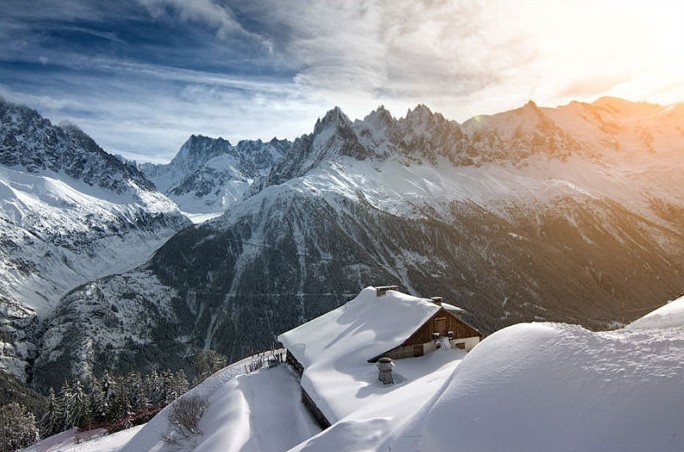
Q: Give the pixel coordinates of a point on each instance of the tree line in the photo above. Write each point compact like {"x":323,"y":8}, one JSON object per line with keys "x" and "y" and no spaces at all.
{"x":114,"y":402}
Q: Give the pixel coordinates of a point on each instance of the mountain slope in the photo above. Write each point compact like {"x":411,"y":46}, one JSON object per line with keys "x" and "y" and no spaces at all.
{"x":582,"y":232}
{"x":69,"y":213}
{"x":208,"y":175}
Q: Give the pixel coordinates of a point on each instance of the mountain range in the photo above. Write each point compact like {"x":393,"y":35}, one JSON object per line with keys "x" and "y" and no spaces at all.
{"x":208,"y":175}
{"x":573,"y":214}
{"x":69,"y":213}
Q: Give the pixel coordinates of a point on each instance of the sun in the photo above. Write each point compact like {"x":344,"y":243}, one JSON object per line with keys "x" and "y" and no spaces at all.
{"x":628,"y":49}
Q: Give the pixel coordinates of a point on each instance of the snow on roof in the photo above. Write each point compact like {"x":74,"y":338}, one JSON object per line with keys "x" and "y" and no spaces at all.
{"x":452,"y":308}
{"x":334,"y":349}
{"x":361,"y":329}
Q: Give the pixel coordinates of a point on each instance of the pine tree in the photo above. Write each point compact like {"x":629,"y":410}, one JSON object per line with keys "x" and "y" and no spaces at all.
{"x":18,"y":427}
{"x":120,"y":406}
{"x":65,"y":401}
{"x":109,"y":390}
{"x":81,"y":414}
{"x":181,"y":383}
{"x":206,"y":363}
{"x":169,"y":393}
{"x":153,"y":388}
{"x":136,"y":390}
{"x":96,"y":395}
{"x":53,"y":416}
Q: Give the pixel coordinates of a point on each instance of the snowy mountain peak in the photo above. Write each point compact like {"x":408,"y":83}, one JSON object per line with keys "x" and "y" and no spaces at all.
{"x":32,"y":143}
{"x":210,"y":174}
{"x":379,"y":118}
{"x":333,"y":118}
{"x":618,"y":105}
{"x":420,"y":110}
{"x":69,"y":212}
{"x":197,"y":150}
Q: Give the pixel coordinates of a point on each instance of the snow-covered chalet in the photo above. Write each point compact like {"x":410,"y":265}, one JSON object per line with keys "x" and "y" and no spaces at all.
{"x":332,"y":352}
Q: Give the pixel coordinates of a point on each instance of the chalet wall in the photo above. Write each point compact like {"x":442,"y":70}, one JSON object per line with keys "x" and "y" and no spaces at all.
{"x":292,"y":361}
{"x":321,"y":420}
{"x":410,"y":351}
{"x":466,"y":344}
{"x":422,"y":341}
{"x":442,"y":322}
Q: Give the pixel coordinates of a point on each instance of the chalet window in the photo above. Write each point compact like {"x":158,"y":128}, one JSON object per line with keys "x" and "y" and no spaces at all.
{"x":441,"y":326}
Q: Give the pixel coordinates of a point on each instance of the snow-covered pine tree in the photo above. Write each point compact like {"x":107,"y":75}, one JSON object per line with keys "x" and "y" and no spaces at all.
{"x":65,"y":400}
{"x":18,"y":427}
{"x":120,"y":407}
{"x":169,"y":393}
{"x":109,"y":393}
{"x":81,"y":414}
{"x":181,"y":382}
{"x":98,"y":407}
{"x":205,"y":363}
{"x":137,"y":393}
{"x":153,"y":387}
{"x":53,"y":416}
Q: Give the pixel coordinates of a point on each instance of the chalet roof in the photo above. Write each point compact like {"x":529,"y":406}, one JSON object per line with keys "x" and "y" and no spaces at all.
{"x":453,"y":309}
{"x":368,"y":325}
{"x":335,"y":347}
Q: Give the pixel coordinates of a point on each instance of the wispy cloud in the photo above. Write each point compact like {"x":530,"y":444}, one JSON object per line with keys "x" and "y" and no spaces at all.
{"x":142,"y":75}
{"x":204,"y":12}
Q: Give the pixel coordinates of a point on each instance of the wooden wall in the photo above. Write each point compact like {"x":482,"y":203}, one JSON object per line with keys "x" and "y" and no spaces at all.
{"x":442,"y":322}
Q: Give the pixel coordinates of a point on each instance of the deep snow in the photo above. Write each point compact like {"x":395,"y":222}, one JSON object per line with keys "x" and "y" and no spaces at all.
{"x":533,"y":386}
{"x":247,"y":412}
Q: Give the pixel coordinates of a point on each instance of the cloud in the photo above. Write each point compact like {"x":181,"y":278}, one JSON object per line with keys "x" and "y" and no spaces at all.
{"x":399,"y":52}
{"x":206,"y":12}
{"x":142,"y":75}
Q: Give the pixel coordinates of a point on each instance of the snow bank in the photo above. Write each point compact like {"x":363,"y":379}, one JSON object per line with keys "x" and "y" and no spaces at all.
{"x":74,"y":441}
{"x":668,"y":316}
{"x":559,"y":387}
{"x":246,"y":412}
{"x":535,"y":386}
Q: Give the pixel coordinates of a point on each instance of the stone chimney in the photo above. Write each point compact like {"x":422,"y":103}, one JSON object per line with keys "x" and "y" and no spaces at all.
{"x":385,"y":365}
{"x":382,"y":290}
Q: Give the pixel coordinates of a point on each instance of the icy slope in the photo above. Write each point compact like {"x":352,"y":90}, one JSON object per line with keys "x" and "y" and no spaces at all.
{"x":59,"y":233}
{"x":208,"y":175}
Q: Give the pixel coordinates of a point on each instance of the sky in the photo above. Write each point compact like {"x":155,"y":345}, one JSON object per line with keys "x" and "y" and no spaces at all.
{"x":141,"y":76}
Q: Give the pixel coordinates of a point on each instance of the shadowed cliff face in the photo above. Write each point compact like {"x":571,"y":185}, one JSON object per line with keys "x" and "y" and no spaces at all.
{"x":234,"y":286}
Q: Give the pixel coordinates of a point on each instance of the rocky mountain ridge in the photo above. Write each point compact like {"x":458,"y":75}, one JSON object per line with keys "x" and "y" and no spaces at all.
{"x":210,"y":174}
{"x":567,"y":214}
{"x":69,"y":213}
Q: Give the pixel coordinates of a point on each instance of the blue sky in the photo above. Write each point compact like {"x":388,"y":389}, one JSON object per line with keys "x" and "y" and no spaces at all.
{"x":140,"y":76}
